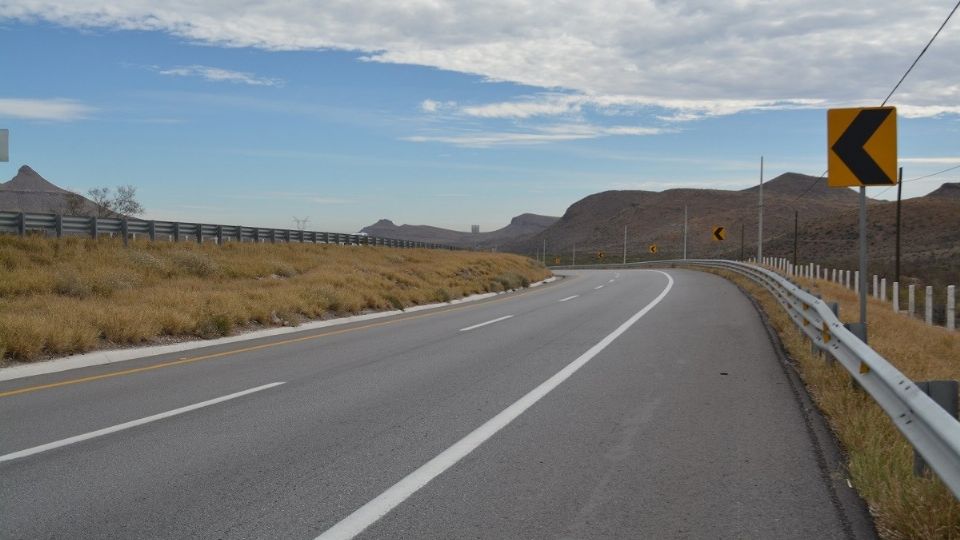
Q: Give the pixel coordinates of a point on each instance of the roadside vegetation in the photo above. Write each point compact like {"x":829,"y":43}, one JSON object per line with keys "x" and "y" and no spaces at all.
{"x":73,"y":295}
{"x":879,"y":458}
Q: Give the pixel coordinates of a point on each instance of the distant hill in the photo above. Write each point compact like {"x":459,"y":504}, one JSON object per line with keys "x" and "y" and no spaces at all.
{"x":30,"y":192}
{"x":596,"y":222}
{"x":520,"y":227}
{"x":948,"y":190}
{"x":827,"y":226}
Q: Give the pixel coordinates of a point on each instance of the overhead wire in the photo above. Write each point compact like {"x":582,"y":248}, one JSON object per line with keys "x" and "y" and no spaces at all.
{"x":895,"y":87}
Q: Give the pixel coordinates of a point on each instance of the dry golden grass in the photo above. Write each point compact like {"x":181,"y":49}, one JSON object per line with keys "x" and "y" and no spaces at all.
{"x":880,"y":460}
{"x":73,"y":295}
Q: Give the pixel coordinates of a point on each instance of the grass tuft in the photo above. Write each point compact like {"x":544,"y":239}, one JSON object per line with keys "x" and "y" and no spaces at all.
{"x":879,"y":458}
{"x":73,"y":295}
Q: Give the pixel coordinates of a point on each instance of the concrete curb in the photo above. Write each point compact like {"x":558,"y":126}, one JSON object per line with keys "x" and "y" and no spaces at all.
{"x":97,"y":358}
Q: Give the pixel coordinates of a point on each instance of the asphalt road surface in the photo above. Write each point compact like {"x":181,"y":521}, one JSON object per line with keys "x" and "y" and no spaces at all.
{"x":632,"y":404}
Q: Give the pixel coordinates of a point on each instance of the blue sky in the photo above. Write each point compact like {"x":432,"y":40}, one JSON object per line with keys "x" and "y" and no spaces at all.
{"x":451,"y":116}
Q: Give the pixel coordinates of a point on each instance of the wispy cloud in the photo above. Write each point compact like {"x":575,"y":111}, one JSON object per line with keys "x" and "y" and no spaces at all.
{"x":215,"y":74}
{"x":546,"y":134}
{"x":941,"y":160}
{"x":56,"y":110}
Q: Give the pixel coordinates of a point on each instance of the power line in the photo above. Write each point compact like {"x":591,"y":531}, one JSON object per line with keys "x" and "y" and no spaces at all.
{"x":917,"y":59}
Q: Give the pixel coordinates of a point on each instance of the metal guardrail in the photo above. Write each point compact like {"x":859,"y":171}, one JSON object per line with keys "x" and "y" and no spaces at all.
{"x":21,"y":223}
{"x":932,"y":431}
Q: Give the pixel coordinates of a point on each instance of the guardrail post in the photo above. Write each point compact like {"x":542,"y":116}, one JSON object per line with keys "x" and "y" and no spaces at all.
{"x":951,"y":307}
{"x":94,"y":233}
{"x":944,"y":394}
{"x":152,"y":230}
{"x":59,"y":225}
{"x":219,"y":235}
{"x":176,"y":232}
{"x":124,"y":229}
{"x":273,"y":236}
{"x":896,"y":297}
{"x":876,"y":287}
{"x":857,"y":329}
{"x":199,"y":233}
{"x":21,"y":224}
{"x":911,"y":299}
{"x":256,"y":235}
{"x":928,"y":305}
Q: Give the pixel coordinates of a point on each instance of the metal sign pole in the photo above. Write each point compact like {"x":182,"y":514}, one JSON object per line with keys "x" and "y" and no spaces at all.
{"x":624,"y":244}
{"x":863,"y":256}
{"x":684,"y":232}
{"x":760,"y":231}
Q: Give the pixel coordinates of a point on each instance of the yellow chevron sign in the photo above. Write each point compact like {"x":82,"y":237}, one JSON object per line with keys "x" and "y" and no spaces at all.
{"x":862,"y":147}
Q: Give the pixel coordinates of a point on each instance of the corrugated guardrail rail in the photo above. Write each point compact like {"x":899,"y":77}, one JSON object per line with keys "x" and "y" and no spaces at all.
{"x":932,"y":431}
{"x":59,"y":225}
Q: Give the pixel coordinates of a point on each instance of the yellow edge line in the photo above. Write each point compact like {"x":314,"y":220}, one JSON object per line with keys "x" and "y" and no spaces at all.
{"x":180,"y":361}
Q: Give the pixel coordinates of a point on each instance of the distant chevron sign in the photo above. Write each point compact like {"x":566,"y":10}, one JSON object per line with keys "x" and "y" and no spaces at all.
{"x":862,"y":147}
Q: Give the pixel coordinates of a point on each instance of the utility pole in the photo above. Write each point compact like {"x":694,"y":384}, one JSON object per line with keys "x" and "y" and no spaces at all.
{"x":899,"y":192}
{"x":760,"y":233}
{"x":741,"y":241}
{"x":624,"y":244}
{"x":684,"y":232}
{"x":796,"y":221}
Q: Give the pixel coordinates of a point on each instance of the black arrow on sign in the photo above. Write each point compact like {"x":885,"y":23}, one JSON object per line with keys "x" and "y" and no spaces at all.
{"x":849,"y":147}
{"x":718,"y":232}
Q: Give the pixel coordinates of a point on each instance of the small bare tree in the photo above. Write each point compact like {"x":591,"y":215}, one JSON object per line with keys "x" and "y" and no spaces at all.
{"x":75,"y":205}
{"x":124,"y":202}
{"x":301,"y":223}
{"x":101,"y":197}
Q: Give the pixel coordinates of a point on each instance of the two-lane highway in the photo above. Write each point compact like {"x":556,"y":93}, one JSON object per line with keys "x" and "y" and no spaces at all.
{"x":629,"y":404}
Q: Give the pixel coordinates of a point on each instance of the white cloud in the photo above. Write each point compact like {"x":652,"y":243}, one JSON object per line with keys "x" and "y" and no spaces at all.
{"x":432,"y":106}
{"x":58,"y":110}
{"x":546,"y":134}
{"x":942,"y":160}
{"x":215,"y":74}
{"x":691,"y":57}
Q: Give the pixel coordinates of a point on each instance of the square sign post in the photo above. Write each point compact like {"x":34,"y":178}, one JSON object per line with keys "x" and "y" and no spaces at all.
{"x":4,"y":145}
{"x":862,"y":151}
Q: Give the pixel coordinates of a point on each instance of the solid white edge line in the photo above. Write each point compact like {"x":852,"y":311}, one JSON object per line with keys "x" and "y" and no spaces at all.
{"x":598,"y":287}
{"x":371,"y":512}
{"x":568,"y":298}
{"x":130,"y":424}
{"x":486,"y":323}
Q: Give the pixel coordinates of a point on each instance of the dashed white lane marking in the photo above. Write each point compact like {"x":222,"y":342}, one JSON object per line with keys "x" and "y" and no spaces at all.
{"x":568,"y":298}
{"x":130,"y":424}
{"x":611,"y":281}
{"x":369,"y":513}
{"x":486,"y":323}
{"x":598,"y":287}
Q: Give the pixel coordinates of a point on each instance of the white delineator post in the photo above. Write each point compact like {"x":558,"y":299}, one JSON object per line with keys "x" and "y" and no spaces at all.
{"x":883,"y":290}
{"x":896,"y":297}
{"x":876,"y":287}
{"x":951,"y":307}
{"x":928,"y":305}
{"x":856,"y":281}
{"x":911,"y":299}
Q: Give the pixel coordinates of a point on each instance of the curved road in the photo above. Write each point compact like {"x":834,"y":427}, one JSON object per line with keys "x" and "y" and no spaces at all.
{"x":632,"y":404}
